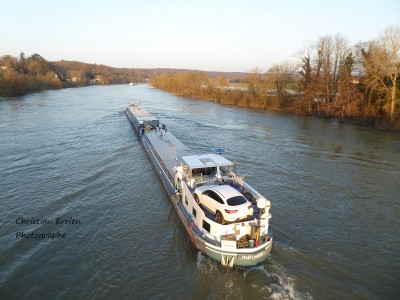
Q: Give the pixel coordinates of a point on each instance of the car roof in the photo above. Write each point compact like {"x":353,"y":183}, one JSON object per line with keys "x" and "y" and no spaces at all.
{"x":226,"y":191}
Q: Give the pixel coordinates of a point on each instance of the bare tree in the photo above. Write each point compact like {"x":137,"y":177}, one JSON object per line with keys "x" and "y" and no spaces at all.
{"x":307,"y":71}
{"x":381,"y":61}
{"x":281,"y":75}
{"x":390,"y":44}
{"x":332,"y":52}
{"x":256,"y":89}
{"x":321,"y":67}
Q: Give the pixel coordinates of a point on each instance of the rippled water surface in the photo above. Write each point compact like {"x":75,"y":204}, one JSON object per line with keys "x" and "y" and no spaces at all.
{"x":72,"y":155}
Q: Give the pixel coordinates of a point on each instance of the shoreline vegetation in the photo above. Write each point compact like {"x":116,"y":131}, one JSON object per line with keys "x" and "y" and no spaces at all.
{"x":358,"y":84}
{"x":20,"y":76}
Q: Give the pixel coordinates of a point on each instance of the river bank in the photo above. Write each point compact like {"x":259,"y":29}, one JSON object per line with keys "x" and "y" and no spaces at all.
{"x":346,"y":98}
{"x":293,"y":104}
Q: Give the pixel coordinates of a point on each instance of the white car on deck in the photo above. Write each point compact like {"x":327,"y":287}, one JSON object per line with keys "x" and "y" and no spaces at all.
{"x":225,"y":202}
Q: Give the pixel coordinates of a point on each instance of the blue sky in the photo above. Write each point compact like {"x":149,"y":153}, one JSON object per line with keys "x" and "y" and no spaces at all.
{"x":205,"y":35}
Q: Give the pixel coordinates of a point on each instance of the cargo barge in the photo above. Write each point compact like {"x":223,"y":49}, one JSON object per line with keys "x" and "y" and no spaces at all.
{"x":226,"y":219}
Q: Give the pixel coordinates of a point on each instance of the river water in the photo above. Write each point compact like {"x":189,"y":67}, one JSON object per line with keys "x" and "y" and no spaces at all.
{"x":71,"y":157}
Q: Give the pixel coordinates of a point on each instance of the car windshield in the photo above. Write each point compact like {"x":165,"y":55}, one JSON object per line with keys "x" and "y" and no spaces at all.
{"x":238,"y":200}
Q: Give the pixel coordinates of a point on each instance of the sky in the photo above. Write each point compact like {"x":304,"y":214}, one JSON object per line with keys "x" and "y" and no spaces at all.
{"x":219,"y":35}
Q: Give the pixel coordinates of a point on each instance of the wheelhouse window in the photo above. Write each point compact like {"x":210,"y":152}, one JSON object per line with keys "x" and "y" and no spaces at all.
{"x":186,"y":200}
{"x":198,"y":172}
{"x":194,"y":212}
{"x":206,"y":226}
{"x":224,"y":170}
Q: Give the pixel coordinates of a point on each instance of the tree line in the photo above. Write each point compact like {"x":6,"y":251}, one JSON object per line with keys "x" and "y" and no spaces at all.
{"x":329,"y":78}
{"x":21,"y":75}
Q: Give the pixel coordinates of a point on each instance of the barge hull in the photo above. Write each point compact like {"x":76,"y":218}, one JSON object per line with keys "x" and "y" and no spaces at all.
{"x":165,"y":152}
